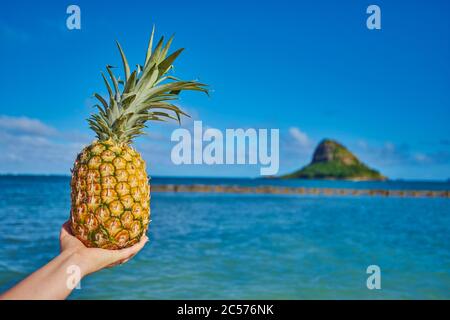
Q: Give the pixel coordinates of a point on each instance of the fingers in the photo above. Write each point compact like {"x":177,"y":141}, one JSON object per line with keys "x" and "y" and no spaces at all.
{"x":138,"y":246}
{"x":128,"y":253}
{"x":128,"y":259}
{"x":104,"y":258}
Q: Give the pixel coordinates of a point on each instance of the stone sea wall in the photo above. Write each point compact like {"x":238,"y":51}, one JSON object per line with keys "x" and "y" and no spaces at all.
{"x":299,"y":191}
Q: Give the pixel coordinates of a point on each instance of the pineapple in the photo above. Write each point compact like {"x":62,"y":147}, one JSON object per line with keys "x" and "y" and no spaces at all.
{"x":110,"y":190}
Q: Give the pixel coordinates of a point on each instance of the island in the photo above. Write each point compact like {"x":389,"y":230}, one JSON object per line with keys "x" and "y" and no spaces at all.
{"x":331,"y":160}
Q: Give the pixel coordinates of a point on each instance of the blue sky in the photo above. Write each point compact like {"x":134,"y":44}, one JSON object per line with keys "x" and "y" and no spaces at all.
{"x":310,"y":68}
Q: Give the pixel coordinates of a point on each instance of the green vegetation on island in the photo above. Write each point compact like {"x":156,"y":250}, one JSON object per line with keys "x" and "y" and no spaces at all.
{"x":331,"y":160}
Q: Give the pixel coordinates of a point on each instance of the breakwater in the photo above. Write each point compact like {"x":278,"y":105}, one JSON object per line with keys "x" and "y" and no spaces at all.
{"x":299,"y":190}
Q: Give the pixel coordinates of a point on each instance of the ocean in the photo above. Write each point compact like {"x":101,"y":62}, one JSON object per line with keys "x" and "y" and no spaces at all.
{"x":243,"y":246}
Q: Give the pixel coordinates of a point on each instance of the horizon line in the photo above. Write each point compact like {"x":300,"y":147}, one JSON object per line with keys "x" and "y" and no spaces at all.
{"x":226,"y":178}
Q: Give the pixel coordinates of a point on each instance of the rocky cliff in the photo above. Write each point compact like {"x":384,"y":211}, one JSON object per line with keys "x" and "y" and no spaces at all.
{"x":331,"y":160}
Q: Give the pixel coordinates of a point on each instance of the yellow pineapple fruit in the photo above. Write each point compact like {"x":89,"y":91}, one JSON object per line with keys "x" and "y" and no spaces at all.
{"x":110,"y":190}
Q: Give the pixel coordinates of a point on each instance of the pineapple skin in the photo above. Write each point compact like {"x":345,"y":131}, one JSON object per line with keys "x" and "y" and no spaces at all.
{"x":110,"y":198}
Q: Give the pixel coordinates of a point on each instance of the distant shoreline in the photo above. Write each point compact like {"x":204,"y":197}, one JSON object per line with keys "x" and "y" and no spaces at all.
{"x":240,"y":186}
{"x":198,"y":188}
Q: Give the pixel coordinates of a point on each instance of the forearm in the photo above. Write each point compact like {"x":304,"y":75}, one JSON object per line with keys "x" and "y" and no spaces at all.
{"x":50,"y":281}
{"x":57,"y":278}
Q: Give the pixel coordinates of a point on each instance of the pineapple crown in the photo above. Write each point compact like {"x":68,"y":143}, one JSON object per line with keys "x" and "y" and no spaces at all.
{"x":147,"y":94}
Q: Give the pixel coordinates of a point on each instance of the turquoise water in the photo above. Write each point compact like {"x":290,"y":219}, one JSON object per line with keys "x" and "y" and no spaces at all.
{"x":247,"y":246}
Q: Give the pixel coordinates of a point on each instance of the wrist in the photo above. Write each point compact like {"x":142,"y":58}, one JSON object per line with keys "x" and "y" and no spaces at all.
{"x":77,"y":260}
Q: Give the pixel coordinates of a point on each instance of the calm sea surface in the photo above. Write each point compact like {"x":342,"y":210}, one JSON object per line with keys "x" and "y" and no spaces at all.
{"x":248,"y":246}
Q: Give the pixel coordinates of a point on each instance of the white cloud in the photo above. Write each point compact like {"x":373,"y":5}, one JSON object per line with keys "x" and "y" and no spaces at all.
{"x":422,"y":158}
{"x":390,"y":154}
{"x":300,"y":137}
{"x":24,"y":125}
{"x":30,"y":146}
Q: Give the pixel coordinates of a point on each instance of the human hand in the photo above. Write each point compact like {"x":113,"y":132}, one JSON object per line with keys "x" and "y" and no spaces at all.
{"x":50,"y":281}
{"x":93,"y":259}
